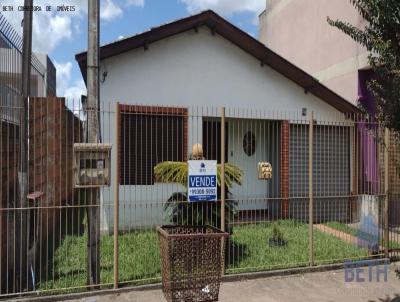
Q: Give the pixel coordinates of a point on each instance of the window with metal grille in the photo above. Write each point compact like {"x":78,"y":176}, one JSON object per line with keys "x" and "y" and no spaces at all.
{"x":212,"y":140}
{"x":150,"y":135}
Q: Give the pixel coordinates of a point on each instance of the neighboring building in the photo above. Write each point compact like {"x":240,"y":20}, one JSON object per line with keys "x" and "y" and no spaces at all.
{"x":298,"y":31}
{"x":50,"y":81}
{"x":204,"y":62}
{"x":43,"y":71}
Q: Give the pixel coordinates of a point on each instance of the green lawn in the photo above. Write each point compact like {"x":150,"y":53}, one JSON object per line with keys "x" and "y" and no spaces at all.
{"x":138,"y":260}
{"x":248,"y":251}
{"x":355,"y":232}
{"x":256,"y":253}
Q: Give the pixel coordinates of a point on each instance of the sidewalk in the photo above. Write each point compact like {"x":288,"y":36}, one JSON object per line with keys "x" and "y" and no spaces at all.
{"x":318,"y":287}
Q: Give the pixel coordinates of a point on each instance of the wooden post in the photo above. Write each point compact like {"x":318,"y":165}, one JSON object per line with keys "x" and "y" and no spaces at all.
{"x":116,"y":192}
{"x":310,"y":190}
{"x":223,"y":182}
{"x":386,"y":205}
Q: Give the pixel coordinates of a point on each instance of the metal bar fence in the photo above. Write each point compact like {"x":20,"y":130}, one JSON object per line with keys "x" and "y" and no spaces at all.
{"x":15,"y":230}
{"x":332,"y":195}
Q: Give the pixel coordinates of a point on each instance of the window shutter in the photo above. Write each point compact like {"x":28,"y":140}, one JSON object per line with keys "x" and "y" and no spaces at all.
{"x":150,"y":135}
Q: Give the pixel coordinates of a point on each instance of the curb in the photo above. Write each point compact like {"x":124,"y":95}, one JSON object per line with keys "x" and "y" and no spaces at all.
{"x":225,"y":278}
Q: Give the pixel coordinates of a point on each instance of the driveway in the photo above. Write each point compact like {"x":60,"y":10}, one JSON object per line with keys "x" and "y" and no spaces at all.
{"x":318,"y":287}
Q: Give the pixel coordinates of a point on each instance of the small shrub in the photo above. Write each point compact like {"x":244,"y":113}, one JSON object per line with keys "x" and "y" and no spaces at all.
{"x":277,"y":238}
{"x":180,"y":211}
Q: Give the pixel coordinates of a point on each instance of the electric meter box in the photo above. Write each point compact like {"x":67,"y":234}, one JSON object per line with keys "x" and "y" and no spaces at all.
{"x":92,"y":165}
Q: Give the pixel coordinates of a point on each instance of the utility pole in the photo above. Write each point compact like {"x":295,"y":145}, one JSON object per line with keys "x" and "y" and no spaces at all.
{"x":92,"y":194}
{"x":22,"y":222}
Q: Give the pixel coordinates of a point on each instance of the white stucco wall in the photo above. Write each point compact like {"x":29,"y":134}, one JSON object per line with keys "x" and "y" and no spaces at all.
{"x":190,"y":70}
{"x":201,"y":69}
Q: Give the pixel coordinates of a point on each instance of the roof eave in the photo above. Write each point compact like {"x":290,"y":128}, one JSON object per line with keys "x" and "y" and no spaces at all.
{"x":238,"y":37}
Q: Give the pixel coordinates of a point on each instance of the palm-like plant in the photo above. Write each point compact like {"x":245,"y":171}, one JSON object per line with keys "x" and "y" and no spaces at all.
{"x":180,"y":211}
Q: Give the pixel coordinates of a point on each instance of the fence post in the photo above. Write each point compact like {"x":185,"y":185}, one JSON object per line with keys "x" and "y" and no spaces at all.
{"x":223,"y":182}
{"x":310,"y":190}
{"x":386,"y":205}
{"x":116,"y":193}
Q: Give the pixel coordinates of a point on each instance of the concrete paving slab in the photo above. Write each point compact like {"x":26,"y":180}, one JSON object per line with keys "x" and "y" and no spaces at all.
{"x":319,"y":287}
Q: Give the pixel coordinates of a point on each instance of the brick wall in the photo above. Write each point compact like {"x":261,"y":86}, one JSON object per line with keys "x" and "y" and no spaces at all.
{"x":53,"y":129}
{"x":284,"y":175}
{"x":9,"y":134}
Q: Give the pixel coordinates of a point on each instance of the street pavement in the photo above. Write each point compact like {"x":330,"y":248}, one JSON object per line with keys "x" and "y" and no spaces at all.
{"x":319,"y":287}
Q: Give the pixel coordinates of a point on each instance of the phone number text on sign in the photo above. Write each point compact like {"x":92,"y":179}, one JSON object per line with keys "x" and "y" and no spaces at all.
{"x":202,"y":182}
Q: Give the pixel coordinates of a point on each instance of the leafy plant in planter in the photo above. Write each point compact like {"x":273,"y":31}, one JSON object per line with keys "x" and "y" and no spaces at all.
{"x":180,"y":211}
{"x":277,"y":238}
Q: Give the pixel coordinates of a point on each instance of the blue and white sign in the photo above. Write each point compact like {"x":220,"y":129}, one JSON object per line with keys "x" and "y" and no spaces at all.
{"x":202,"y":182}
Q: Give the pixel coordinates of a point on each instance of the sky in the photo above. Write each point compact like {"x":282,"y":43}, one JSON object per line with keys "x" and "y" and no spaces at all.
{"x":63,"y":34}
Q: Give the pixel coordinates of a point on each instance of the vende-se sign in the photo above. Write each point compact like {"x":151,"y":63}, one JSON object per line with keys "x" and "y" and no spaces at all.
{"x":202,"y":182}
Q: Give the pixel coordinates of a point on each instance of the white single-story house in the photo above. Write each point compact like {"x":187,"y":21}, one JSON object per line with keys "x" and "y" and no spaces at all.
{"x":171,"y":82}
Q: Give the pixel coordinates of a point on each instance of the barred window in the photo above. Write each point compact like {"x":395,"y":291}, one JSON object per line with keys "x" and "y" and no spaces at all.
{"x":150,"y":135}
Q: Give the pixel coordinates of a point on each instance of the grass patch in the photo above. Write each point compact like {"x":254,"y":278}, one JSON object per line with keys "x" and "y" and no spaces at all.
{"x":248,"y":250}
{"x":342,"y":227}
{"x":138,"y":260}
{"x":259,"y":255}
